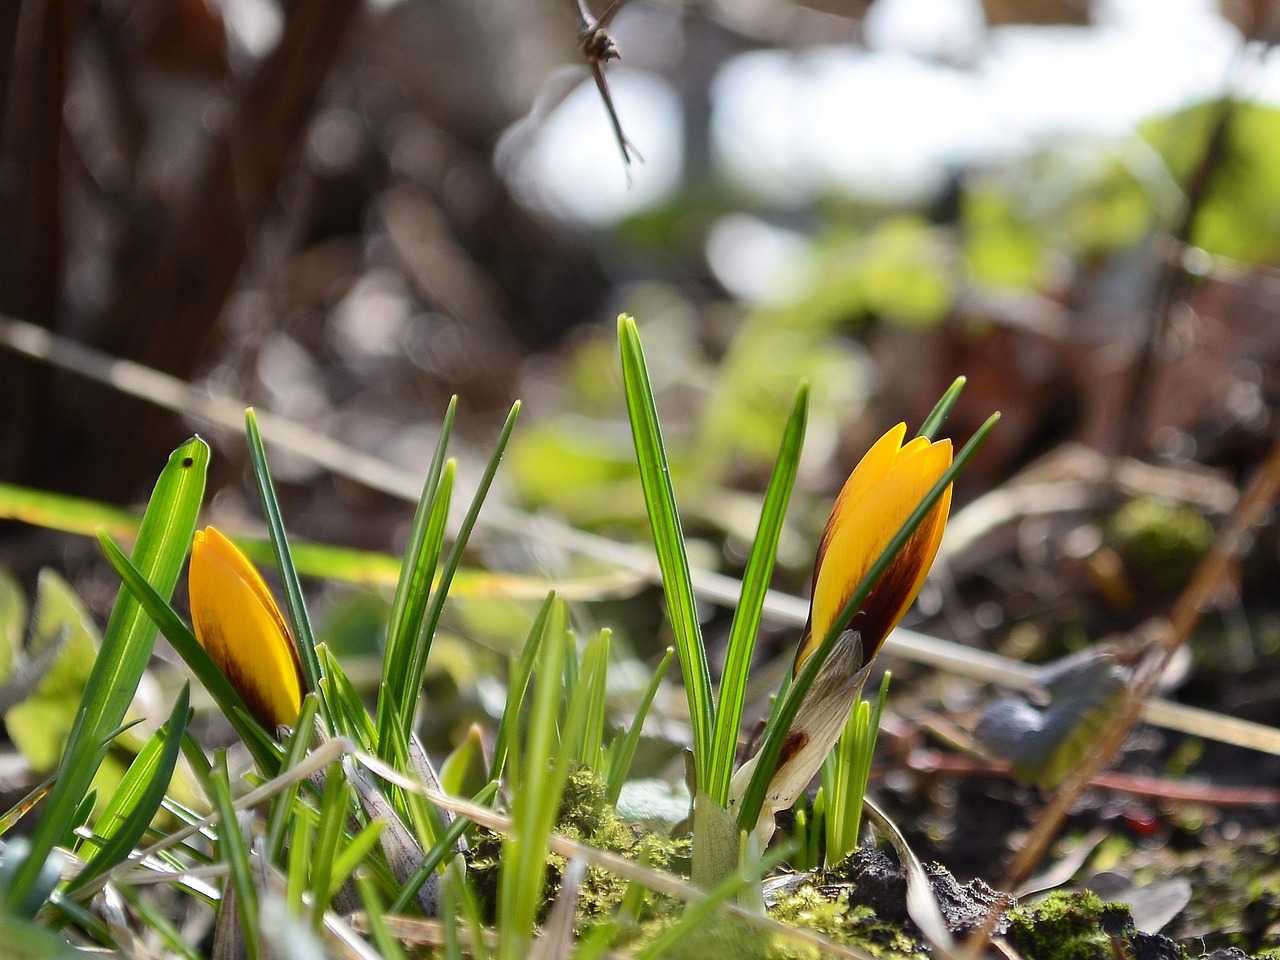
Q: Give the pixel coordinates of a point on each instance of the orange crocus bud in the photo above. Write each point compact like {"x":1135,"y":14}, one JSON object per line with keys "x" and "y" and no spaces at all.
{"x":237,"y":621}
{"x":882,"y":492}
{"x":880,"y":495}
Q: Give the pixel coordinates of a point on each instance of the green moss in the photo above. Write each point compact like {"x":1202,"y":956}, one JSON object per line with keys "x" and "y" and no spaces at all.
{"x":812,"y":909}
{"x":1160,"y":542}
{"x":1072,"y":926}
{"x":586,"y":816}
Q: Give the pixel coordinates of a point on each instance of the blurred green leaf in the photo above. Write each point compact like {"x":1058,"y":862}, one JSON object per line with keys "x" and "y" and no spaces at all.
{"x":13,"y":622}
{"x":1002,"y":248}
{"x":1240,"y":214}
{"x":39,"y":725}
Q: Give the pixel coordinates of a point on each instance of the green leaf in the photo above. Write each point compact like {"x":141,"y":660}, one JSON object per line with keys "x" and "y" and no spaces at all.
{"x":13,"y":622}
{"x":303,"y":635}
{"x":417,"y":573}
{"x":233,"y":851}
{"x":668,"y":540}
{"x":626,"y":752}
{"x":163,"y":541}
{"x":941,"y":410}
{"x":418,"y":662}
{"x":535,"y":804}
{"x":137,"y":800}
{"x":755,"y":585}
{"x":517,"y":684}
{"x":64,"y":635}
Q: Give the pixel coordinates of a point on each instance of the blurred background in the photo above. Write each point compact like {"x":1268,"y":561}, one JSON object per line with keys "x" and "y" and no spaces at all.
{"x":344,"y":213}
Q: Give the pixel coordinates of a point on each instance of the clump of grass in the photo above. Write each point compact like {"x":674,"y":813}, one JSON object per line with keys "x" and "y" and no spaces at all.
{"x":340,"y":807}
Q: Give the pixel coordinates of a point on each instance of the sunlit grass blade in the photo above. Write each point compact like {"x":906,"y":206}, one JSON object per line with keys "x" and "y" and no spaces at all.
{"x":350,"y":715}
{"x":259,"y":741}
{"x":417,"y":667}
{"x":534,"y":804}
{"x":134,"y":804}
{"x":322,"y":561}
{"x":58,"y":511}
{"x":334,"y":808}
{"x":283,"y":805}
{"x":785,"y":712}
{"x":941,"y":410}
{"x":387,"y":946}
{"x":299,"y":620}
{"x":417,"y":574}
{"x":162,"y":545}
{"x":595,"y":674}
{"x":755,"y":585}
{"x":846,"y":773}
{"x":436,"y":854}
{"x":517,"y":684}
{"x":621,"y":765}
{"x":668,"y":541}
{"x":233,"y":851}
{"x":698,"y":912}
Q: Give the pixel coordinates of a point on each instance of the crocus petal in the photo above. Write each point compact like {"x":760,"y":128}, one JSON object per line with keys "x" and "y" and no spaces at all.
{"x":237,"y":621}
{"x":881,"y":493}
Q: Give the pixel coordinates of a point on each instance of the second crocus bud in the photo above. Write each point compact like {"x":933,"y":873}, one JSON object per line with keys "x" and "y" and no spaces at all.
{"x":237,"y":621}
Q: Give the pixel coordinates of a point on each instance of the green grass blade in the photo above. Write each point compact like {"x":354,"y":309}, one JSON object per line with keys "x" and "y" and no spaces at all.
{"x":417,"y":572}
{"x":699,"y":911}
{"x":941,"y":410}
{"x":234,"y":853}
{"x":755,"y":585}
{"x":350,"y":715}
{"x":418,"y":663}
{"x":334,"y":807}
{"x":259,"y":741}
{"x":397,"y":662}
{"x":438,"y":851}
{"x":534,"y":804}
{"x":163,"y":541}
{"x":388,"y":947}
{"x":668,"y":541}
{"x":353,"y":854}
{"x":282,"y":805}
{"x":303,"y":635}
{"x":785,"y":712}
{"x":517,"y":684}
{"x":136,"y":801}
{"x":622,"y":762}
{"x":595,"y":675}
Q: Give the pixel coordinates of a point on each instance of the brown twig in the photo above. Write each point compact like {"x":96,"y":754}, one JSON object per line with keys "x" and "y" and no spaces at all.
{"x":599,"y":48}
{"x":1138,"y":785}
{"x":1198,"y":596}
{"x":1173,"y":280}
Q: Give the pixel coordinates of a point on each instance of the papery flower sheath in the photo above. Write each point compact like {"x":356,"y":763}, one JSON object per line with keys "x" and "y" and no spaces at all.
{"x":880,"y":495}
{"x":238,"y":622}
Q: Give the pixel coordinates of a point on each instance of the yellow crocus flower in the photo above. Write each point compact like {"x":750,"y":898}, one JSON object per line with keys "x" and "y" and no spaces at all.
{"x":882,"y":492}
{"x":884,"y":489}
{"x":237,"y":621}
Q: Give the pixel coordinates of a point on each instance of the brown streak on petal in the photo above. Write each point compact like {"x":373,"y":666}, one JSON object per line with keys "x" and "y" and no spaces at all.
{"x":795,"y":742}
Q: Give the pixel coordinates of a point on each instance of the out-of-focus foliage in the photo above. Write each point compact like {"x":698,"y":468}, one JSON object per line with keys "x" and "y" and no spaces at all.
{"x":1240,"y":216}
{"x":39,"y":724}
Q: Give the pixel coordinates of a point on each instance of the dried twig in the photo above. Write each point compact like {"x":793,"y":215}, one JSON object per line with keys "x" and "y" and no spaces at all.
{"x":599,"y":48}
{"x":1198,"y":596}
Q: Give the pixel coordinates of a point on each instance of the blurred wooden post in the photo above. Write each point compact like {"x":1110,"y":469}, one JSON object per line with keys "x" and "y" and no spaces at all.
{"x":35,"y":37}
